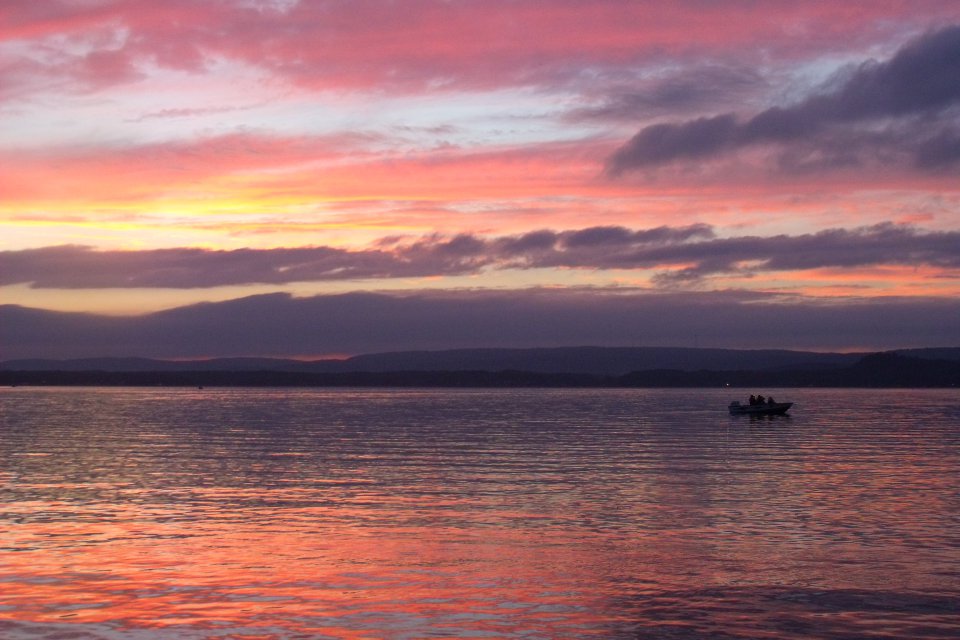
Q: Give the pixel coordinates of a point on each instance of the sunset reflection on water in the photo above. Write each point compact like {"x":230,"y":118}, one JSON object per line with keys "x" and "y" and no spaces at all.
{"x":503,"y":514}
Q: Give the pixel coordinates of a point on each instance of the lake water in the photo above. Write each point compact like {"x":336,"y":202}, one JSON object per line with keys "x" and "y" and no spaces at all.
{"x":345,"y":513}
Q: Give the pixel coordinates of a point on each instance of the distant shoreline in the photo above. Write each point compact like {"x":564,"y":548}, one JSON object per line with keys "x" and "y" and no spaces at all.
{"x":883,"y":370}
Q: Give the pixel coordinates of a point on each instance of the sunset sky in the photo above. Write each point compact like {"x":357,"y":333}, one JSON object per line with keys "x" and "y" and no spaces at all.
{"x":196,"y":178}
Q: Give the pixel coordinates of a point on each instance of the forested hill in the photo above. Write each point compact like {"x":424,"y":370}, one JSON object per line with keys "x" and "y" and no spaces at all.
{"x":469,"y":368}
{"x":588,"y":360}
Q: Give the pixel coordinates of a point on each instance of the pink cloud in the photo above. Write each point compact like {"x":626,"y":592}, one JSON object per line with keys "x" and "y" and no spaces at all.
{"x":305,"y":167}
{"x":342,"y":180}
{"x":362,"y":43}
{"x":25,"y":20}
{"x":89,"y":174}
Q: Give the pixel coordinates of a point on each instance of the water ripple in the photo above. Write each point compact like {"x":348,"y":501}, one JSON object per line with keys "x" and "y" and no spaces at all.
{"x":241,"y":513}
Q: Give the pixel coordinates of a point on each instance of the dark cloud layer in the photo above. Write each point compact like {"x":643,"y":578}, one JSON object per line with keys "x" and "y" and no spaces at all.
{"x":280,"y":325}
{"x":903,"y":110}
{"x":695,"y":247}
{"x":684,"y":90}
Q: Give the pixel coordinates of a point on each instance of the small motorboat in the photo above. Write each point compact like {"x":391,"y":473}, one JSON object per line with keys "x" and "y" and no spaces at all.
{"x":761,"y":409}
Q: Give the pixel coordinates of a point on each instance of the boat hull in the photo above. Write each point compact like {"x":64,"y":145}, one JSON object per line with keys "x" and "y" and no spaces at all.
{"x":774,"y":409}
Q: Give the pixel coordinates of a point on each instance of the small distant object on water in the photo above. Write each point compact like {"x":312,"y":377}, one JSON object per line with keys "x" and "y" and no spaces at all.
{"x":760,"y":406}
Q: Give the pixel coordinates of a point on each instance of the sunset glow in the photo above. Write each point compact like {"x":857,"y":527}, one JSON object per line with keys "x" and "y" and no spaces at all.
{"x":162,"y":154}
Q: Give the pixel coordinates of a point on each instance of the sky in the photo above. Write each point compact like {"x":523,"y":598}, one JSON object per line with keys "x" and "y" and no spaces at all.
{"x":201,"y":178}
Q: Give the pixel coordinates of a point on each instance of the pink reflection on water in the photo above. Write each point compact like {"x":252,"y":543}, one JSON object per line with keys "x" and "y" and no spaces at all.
{"x":301,"y":570}
{"x":494,"y":514}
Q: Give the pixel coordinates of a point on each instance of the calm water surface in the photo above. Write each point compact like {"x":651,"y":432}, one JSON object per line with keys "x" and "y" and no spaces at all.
{"x":248,"y":513}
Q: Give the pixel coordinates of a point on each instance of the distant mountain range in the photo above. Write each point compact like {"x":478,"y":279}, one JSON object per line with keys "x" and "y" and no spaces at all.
{"x":590,"y":360}
{"x":565,"y":366}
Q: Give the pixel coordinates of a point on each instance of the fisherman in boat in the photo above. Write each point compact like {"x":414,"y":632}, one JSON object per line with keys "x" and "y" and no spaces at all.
{"x":760,"y":406}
